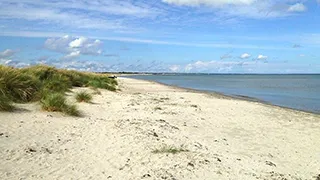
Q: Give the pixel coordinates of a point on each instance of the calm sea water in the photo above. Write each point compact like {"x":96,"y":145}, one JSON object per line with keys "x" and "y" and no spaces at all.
{"x":293,"y":91}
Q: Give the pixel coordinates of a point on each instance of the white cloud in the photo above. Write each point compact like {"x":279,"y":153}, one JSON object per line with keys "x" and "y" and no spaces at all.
{"x":174,"y":68}
{"x":74,"y":47}
{"x":55,"y":15}
{"x":209,"y":2}
{"x":245,"y":56}
{"x":213,"y":66}
{"x":72,"y":55}
{"x":298,"y":7}
{"x":7,"y":53}
{"x":78,"y":42}
{"x":262,"y":57}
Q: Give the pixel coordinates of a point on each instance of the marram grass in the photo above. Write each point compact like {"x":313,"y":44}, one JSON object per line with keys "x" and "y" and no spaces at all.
{"x":57,"y":102}
{"x":37,"y":83}
{"x":5,"y":104}
{"x":83,"y":96}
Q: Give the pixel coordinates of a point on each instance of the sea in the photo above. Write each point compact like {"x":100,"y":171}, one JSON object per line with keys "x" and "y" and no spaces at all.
{"x":296,"y":91}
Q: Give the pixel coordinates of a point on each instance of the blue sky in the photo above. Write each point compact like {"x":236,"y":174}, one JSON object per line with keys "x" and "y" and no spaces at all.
{"x":211,"y":36}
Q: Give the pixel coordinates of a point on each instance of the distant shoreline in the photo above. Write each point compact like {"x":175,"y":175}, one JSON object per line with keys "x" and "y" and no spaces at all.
{"x":225,"y":96}
{"x":167,"y":73}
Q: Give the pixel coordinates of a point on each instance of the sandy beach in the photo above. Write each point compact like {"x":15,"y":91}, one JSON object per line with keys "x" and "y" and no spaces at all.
{"x":120,"y":133}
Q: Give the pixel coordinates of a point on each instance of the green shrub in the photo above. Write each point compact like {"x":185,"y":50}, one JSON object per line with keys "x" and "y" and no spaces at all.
{"x":83,"y":97}
{"x":56,"y":102}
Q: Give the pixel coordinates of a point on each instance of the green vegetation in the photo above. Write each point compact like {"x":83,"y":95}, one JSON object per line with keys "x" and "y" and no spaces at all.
{"x":47,"y":85}
{"x":5,"y":104}
{"x":57,"y":102}
{"x":169,"y":150}
{"x":83,"y":97}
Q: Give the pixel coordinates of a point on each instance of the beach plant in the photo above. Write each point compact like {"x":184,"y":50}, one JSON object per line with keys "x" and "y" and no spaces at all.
{"x":43,"y":83}
{"x":17,"y":86}
{"x":169,"y":150}
{"x":102,"y":83}
{"x":83,"y":96}
{"x":57,"y":102}
{"x":5,"y":104}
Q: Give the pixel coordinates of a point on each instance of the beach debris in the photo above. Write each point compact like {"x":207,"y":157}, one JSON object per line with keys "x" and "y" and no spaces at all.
{"x":270,"y":163}
{"x":218,"y":159}
{"x":1,"y":134}
{"x":30,"y":150}
{"x":155,"y":134}
{"x":146,"y":175}
{"x":47,"y":150}
{"x":157,"y":108}
{"x":190,"y":164}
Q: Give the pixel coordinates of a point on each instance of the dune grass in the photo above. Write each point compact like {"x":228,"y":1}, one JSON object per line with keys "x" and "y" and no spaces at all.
{"x":57,"y":102}
{"x":43,"y":83}
{"x":5,"y":104}
{"x":83,"y":96}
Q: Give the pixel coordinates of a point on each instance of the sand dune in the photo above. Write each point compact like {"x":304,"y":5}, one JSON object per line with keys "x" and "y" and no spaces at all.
{"x":220,"y":138}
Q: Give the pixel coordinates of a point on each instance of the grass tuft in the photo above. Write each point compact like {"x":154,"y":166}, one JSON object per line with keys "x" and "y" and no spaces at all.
{"x":169,"y":150}
{"x":83,"y":96}
{"x":56,"y":102}
{"x":5,"y":104}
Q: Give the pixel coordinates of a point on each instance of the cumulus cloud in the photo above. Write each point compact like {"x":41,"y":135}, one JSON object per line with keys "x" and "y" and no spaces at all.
{"x":298,"y":7}
{"x":209,"y":2}
{"x":174,"y":68}
{"x":245,"y":56}
{"x":262,"y":57}
{"x":7,"y":53}
{"x":74,"y":47}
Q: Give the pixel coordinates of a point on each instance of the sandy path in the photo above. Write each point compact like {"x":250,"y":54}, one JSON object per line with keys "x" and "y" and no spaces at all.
{"x":225,"y":138}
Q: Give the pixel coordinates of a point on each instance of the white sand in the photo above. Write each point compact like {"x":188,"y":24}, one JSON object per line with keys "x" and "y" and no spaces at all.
{"x":225,"y":138}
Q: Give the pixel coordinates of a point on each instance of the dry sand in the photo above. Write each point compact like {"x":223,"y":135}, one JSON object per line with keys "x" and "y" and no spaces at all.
{"x":225,"y":138}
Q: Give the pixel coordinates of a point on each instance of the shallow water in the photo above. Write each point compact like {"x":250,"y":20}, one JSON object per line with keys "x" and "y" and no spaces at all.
{"x":294,"y":91}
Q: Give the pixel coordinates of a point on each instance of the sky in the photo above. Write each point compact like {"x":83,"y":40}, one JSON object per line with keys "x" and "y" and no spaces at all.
{"x":189,"y":36}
